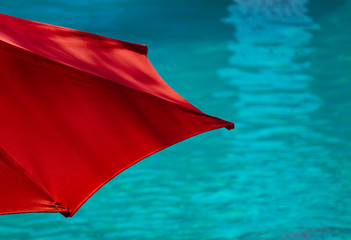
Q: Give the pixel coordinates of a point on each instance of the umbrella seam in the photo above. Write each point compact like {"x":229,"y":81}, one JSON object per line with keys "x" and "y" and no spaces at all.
{"x":195,"y":133}
{"x":55,"y":204}
{"x":139,"y":48}
{"x":195,"y":110}
{"x":76,"y":68}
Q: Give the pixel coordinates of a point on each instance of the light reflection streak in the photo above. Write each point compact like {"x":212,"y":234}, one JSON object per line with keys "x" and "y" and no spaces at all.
{"x":268,"y":72}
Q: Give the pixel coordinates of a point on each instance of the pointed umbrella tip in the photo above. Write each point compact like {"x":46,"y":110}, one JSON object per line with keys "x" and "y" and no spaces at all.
{"x":67,"y":214}
{"x":230,"y":126}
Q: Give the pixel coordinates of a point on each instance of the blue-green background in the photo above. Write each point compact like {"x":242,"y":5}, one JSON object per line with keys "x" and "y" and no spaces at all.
{"x":279,"y":69}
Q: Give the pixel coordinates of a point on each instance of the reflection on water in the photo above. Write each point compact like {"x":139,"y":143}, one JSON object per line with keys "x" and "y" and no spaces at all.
{"x":283,"y":173}
{"x":287,"y":168}
{"x":274,"y":98}
{"x":268,"y":73}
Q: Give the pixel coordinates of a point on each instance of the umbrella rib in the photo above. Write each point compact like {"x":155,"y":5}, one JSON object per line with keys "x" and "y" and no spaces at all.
{"x":193,"y":110}
{"x":78,"y":69}
{"x":75,"y":209}
{"x":54,"y":203}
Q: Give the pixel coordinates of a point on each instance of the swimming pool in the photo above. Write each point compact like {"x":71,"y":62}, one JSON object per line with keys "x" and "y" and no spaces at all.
{"x":279,"y":69}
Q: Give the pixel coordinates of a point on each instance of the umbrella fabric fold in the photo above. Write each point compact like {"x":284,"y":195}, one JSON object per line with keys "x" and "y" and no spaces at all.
{"x":76,"y":110}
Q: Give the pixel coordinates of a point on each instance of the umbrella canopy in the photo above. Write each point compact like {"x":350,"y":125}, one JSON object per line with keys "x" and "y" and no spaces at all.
{"x":76,"y":110}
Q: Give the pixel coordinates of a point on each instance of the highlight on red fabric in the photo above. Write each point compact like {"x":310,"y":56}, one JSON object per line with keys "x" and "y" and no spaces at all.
{"x":76,"y":110}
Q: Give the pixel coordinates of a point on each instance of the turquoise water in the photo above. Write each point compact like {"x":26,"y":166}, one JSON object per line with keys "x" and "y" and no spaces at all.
{"x":279,"y":69}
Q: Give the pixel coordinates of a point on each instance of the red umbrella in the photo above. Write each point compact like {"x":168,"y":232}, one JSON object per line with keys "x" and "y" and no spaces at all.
{"x":76,"y":110}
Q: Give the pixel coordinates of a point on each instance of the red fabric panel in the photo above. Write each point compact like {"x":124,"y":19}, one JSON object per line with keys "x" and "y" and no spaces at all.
{"x":68,"y":126}
{"x":19,"y":194}
{"x":122,"y":62}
